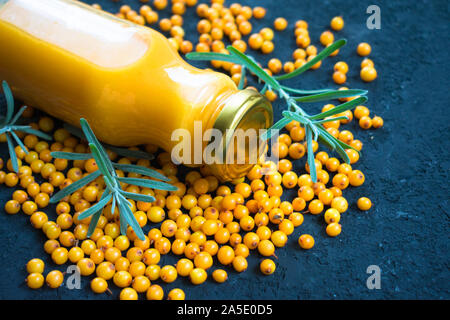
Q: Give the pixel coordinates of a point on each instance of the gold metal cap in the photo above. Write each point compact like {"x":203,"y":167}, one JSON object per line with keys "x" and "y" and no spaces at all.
{"x":247,"y":109}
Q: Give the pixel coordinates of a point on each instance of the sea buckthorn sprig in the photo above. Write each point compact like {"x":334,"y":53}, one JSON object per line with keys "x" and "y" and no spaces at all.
{"x":312,"y":124}
{"x":113,"y":190}
{"x":9,"y":127}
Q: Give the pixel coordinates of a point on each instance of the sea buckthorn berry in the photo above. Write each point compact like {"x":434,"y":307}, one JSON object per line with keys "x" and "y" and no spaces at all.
{"x":326,"y":38}
{"x":361,"y":111}
{"x":377,"y":122}
{"x":333,"y":229}
{"x":353,"y":155}
{"x":275,"y":65}
{"x":12,"y":207}
{"x":220,"y":275}
{"x":240,"y":263}
{"x":280,"y":24}
{"x":305,"y":180}
{"x":267,"y":266}
{"x":357,"y":144}
{"x":306,"y":241}
{"x":267,"y":47}
{"x":99,"y":285}
{"x":306,"y":192}
{"x":341,"y":66}
{"x":35,"y":266}
{"x":203,"y":260}
{"x":198,"y":276}
{"x":266,"y":248}
{"x":298,"y":204}
{"x":341,"y":181}
{"x":315,"y":206}
{"x":225,"y":255}
{"x":337,"y":23}
{"x":289,"y":179}
{"x":75,"y":254}
{"x":155,"y":292}
{"x":255,"y":41}
{"x":128,"y":294}
{"x":368,"y":74}
{"x":365,"y":122}
{"x":259,"y":12}
{"x":11,"y":179}
{"x":35,"y":280}
{"x":339,"y":77}
{"x":363,"y":49}
{"x":364,"y":203}
{"x":54,"y":279}
{"x":340,"y":204}
{"x":122,"y":279}
{"x":50,"y":246}
{"x":296,"y":218}
{"x":332,"y":215}
{"x":326,"y":196}
{"x":367,"y":63}
{"x":176,"y":294}
{"x":279,"y":238}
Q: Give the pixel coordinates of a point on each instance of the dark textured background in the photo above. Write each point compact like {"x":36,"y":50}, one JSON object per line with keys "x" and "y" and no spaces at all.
{"x":406,"y":164}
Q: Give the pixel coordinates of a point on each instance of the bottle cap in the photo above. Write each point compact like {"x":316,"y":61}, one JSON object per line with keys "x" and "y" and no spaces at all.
{"x":247,"y":109}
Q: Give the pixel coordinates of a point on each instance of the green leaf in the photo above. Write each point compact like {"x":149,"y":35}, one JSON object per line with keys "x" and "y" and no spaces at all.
{"x":124,"y":152}
{"x":140,"y":170}
{"x":90,"y":136}
{"x":17,"y":115}
{"x":19,"y":142}
{"x":208,"y":56}
{"x":146,"y":183}
{"x":269,"y":133}
{"x":320,"y":56}
{"x":331,"y":119}
{"x":338,"y":147}
{"x":125,"y":212}
{"x":71,"y":155}
{"x":305,"y":92}
{"x":254,"y":68}
{"x":310,"y":154}
{"x":12,"y":153}
{"x":340,"y":108}
{"x":295,"y":116}
{"x":96,"y":207}
{"x":137,"y":196}
{"x":102,"y":166}
{"x":29,"y":130}
{"x":96,"y":217}
{"x":335,"y":94}
{"x":75,"y":186}
{"x":9,"y":102}
{"x":242,"y":80}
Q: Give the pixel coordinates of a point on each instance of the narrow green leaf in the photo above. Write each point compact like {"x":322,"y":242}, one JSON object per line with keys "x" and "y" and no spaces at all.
{"x":9,"y":102}
{"x":305,"y":92}
{"x":254,"y":68}
{"x":242,"y":80}
{"x":90,"y":136}
{"x":146,"y":183}
{"x":295,"y":116}
{"x":125,"y":212}
{"x":124,"y":152}
{"x":71,"y":155}
{"x":140,"y":170}
{"x":29,"y":130}
{"x":75,"y":186}
{"x":340,"y":108}
{"x":96,"y":207}
{"x":310,"y":154}
{"x":338,"y":147}
{"x":137,"y":196}
{"x":122,"y":220}
{"x":269,"y":133}
{"x":335,"y":94}
{"x":331,"y":119}
{"x":19,"y":142}
{"x":17,"y":115}
{"x":12,"y":153}
{"x":96,"y":217}
{"x":320,"y":56}
{"x":102,"y":166}
{"x":208,"y":56}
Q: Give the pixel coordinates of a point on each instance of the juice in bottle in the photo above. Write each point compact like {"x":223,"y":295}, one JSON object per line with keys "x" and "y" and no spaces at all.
{"x":73,"y":61}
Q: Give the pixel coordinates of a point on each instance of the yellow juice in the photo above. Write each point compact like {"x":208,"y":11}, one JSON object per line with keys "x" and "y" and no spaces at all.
{"x":73,"y":61}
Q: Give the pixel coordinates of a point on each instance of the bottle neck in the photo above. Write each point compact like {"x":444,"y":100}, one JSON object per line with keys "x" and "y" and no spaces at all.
{"x":240,"y":120}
